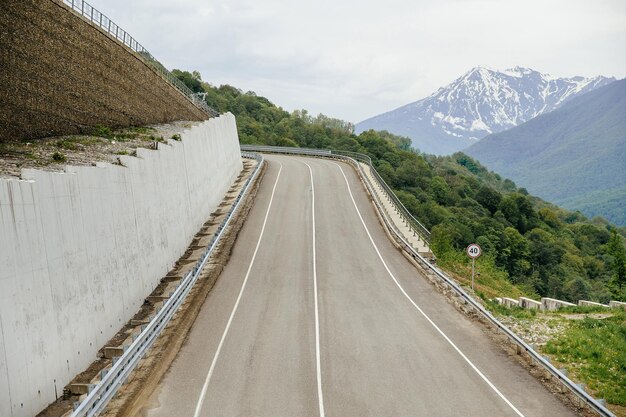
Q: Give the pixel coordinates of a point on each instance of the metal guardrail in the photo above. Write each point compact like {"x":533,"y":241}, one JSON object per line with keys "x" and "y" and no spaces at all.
{"x":96,"y":18}
{"x":278,"y":149}
{"x":579,"y":392}
{"x":101,"y":394}
{"x":408,"y":218}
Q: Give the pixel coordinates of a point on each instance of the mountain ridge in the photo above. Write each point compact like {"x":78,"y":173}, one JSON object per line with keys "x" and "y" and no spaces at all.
{"x":480,"y":102}
{"x":573,"y":156}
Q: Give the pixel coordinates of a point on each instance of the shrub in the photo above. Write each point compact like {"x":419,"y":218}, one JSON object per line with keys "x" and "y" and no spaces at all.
{"x":58,"y":157}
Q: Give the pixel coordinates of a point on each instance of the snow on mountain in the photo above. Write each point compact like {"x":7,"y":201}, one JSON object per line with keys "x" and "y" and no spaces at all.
{"x":481,"y":102}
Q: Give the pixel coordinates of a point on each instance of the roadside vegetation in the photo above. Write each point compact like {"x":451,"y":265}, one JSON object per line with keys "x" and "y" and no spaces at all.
{"x":593,"y":350}
{"x":587,"y":343}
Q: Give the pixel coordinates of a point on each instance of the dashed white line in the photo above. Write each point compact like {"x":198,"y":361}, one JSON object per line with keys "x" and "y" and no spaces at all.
{"x":318,"y":362}
{"x":232,"y":314}
{"x":484,"y":378}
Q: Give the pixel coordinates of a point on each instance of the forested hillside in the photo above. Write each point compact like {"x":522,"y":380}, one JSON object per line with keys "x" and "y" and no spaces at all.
{"x":574,"y":156}
{"x":542,"y":249}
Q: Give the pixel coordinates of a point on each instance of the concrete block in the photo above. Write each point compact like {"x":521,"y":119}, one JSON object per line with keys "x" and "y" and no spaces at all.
{"x":585,"y":303}
{"x":111,"y":352}
{"x":529,"y":303}
{"x":551,"y":304}
{"x":80,"y":389}
{"x":155,"y":299}
{"x":617,"y":304}
{"x":172,"y":278}
{"x":510,"y":302}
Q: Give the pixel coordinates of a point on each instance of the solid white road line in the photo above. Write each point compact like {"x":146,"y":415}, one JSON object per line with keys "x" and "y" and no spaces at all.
{"x":318,"y":363}
{"x":420,"y":310}
{"x":232,"y":314}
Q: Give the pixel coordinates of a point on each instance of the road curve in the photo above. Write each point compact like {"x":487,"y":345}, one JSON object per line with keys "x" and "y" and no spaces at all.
{"x":318,"y":314}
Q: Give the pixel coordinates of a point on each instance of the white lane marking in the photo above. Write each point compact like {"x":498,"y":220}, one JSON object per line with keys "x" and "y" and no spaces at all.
{"x":420,"y":310}
{"x":318,"y":362}
{"x":232,"y":314}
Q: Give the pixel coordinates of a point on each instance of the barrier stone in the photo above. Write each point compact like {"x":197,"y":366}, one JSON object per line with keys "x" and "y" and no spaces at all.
{"x":585,"y":303}
{"x":510,"y":302}
{"x":529,"y":303}
{"x":551,"y":304}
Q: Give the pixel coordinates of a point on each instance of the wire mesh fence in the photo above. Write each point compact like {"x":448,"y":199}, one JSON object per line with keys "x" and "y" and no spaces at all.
{"x":96,"y":18}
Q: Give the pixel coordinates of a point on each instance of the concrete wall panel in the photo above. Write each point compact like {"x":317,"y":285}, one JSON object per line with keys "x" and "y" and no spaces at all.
{"x":80,"y":250}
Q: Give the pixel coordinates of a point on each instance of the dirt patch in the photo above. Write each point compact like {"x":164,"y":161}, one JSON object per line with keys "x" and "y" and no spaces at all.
{"x":103,"y":145}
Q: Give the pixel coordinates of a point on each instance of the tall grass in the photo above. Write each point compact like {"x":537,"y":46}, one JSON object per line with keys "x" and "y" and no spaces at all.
{"x":594,"y":351}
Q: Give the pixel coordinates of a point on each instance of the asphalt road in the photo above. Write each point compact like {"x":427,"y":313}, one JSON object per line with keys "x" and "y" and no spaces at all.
{"x":318,"y":314}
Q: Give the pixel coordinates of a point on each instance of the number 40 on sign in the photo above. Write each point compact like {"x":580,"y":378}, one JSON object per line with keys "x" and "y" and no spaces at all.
{"x":473,"y":251}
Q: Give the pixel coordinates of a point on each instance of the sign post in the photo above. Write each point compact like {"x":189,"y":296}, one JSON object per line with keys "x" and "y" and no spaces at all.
{"x":473,"y":251}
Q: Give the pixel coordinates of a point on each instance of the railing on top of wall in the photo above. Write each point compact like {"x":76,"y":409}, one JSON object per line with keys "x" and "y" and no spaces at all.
{"x":96,"y":18}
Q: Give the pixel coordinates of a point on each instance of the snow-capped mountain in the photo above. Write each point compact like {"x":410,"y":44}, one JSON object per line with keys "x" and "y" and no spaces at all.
{"x":481,"y":102}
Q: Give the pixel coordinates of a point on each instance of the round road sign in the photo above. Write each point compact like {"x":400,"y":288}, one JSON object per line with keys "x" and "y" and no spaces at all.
{"x":473,"y":250}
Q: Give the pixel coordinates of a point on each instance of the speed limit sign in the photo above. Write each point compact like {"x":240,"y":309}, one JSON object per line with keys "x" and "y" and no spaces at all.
{"x":473,"y":251}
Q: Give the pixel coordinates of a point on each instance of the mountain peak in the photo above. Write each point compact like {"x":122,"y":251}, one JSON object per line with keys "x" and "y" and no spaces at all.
{"x":480,"y":102}
{"x":481,"y":69}
{"x":519,"y":71}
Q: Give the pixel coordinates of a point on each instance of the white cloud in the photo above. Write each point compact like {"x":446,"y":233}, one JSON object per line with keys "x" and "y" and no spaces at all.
{"x":354,"y":59}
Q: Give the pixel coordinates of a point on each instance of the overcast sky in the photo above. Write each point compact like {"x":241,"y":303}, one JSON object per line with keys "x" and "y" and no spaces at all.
{"x":353,"y":59}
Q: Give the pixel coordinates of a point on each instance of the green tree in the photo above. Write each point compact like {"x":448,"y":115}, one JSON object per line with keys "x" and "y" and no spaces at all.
{"x":514,"y":255}
{"x":191,"y":80}
{"x":488,"y":198}
{"x":618,"y":264}
{"x":577,"y":289}
{"x":412,"y":172}
{"x":440,"y":190}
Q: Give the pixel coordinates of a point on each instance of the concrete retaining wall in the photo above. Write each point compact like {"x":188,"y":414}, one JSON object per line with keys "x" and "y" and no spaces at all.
{"x":61,"y":75}
{"x":80,"y":250}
